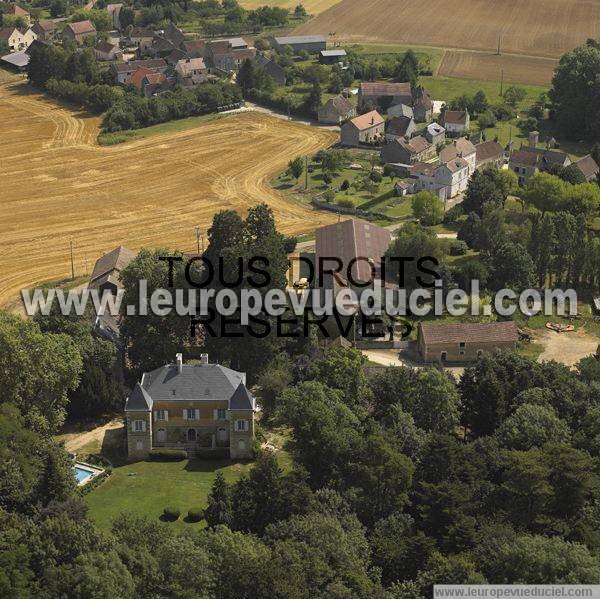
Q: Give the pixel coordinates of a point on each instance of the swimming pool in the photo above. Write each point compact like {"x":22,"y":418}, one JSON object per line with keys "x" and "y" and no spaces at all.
{"x":84,"y":473}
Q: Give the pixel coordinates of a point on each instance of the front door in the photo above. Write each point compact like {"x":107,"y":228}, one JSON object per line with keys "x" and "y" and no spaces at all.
{"x":161,"y":435}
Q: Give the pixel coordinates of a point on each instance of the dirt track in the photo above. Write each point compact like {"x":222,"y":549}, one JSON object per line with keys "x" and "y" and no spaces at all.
{"x":57,"y":185}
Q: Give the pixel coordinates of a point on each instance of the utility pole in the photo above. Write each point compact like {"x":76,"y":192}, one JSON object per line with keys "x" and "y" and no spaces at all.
{"x":72,"y":263}
{"x":197,"y":229}
{"x":306,"y":172}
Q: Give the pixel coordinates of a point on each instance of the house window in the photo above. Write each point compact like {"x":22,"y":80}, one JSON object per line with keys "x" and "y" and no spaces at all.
{"x":191,"y":434}
{"x":221,"y":414}
{"x":190,"y":414}
{"x":161,"y":414}
{"x":444,"y":356}
{"x":139,"y":426}
{"x":241,"y":425}
{"x":139,"y":445}
{"x":461,"y":348}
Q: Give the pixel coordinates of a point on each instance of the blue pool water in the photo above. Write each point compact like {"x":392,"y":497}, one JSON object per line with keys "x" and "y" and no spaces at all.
{"x":82,"y":474}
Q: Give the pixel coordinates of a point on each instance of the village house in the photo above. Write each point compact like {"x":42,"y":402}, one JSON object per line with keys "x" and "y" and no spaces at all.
{"x":332,"y":56}
{"x":367,"y":128}
{"x":464,"y":342}
{"x":456,"y":122}
{"x":422,"y":105}
{"x":142,"y":38}
{"x":299,"y":43}
{"x":226,"y":56}
{"x":358,"y":244}
{"x":529,"y":160}
{"x":17,"y":40}
{"x":445,"y":180}
{"x":336,"y":110}
{"x":79,"y":31}
{"x":16,"y":61}
{"x":435,"y":134}
{"x":272,"y":69}
{"x":588,"y":168}
{"x":191,"y":71}
{"x":401,"y":110}
{"x":195,"y":48}
{"x":123,"y":71}
{"x":404,"y":151}
{"x":201,"y":408}
{"x":399,"y":126}
{"x":460,"y":148}
{"x":105,"y":51}
{"x":44,"y":30}
{"x":384,"y":95}
{"x":146,"y":80}
{"x":489,"y":153}
{"x":15,"y":10}
{"x":107,"y":270}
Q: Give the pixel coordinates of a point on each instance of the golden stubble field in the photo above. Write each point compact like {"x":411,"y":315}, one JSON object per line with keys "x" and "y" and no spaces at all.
{"x":535,"y":27}
{"x":57,"y":185}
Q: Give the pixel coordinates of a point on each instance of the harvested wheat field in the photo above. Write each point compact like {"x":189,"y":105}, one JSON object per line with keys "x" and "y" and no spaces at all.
{"x":313,"y":7}
{"x":536,"y":27}
{"x":57,"y":185}
{"x":488,"y":67}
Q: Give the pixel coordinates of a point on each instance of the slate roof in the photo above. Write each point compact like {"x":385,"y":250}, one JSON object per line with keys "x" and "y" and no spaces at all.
{"x":194,"y":382}
{"x":16,"y":59}
{"x":548,"y":156}
{"x":331,"y":53}
{"x":236,"y":43}
{"x":398,"y":125}
{"x":485,"y":332}
{"x":241,"y":399}
{"x":138,"y":400}
{"x":523,"y":157}
{"x":116,"y":259}
{"x":415,"y":146}
{"x":45,"y":26}
{"x":105,"y":47}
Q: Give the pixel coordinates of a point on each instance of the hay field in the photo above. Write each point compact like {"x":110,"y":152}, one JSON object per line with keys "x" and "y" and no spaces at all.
{"x":488,"y":67}
{"x":57,"y":185}
{"x":535,"y":27}
{"x":313,"y":7}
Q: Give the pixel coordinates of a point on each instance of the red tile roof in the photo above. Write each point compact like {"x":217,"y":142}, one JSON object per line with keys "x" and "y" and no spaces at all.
{"x":81,"y":27}
{"x":137,"y":77}
{"x":367,"y":120}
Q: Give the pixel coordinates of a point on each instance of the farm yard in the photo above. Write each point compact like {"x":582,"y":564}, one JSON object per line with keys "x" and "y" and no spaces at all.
{"x":60,"y":186}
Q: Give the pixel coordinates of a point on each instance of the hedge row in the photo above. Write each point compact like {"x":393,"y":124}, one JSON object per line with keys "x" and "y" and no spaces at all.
{"x":168,"y":455}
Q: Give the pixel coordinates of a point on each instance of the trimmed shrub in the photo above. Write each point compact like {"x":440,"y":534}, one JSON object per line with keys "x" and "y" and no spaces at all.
{"x":345,"y":203}
{"x":195,"y":515}
{"x":171,"y":514}
{"x":458,"y":248}
{"x":168,"y":455}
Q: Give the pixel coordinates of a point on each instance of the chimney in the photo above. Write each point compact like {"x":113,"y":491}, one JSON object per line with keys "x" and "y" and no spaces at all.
{"x":179,"y":362}
{"x":534,"y":137}
{"x":203,"y":358}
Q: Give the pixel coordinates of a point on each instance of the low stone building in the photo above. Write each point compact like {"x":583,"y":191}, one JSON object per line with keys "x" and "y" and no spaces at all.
{"x":405,"y":151}
{"x":435,"y":134}
{"x":464,"y":342}
{"x":79,"y":31}
{"x":107,"y":270}
{"x":105,"y":51}
{"x":367,"y":128}
{"x":332,"y":56}
{"x":383,"y":95}
{"x":399,"y":126}
{"x":44,"y":30}
{"x":336,"y":110}
{"x":201,"y":408}
{"x":401,"y":110}
{"x":489,"y":153}
{"x":300,"y":43}
{"x":588,"y":168}
{"x":191,"y":71}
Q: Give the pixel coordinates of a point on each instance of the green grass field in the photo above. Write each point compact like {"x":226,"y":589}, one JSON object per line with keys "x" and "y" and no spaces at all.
{"x":146,"y":488}
{"x":110,"y":139}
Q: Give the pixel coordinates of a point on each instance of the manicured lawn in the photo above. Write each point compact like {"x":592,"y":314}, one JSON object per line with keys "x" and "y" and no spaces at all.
{"x":146,"y":488}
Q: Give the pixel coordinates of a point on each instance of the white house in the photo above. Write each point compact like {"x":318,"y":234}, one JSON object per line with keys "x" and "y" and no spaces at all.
{"x":16,"y":39}
{"x":191,"y":71}
{"x":455,"y":121}
{"x":445,"y":180}
{"x":460,"y":148}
